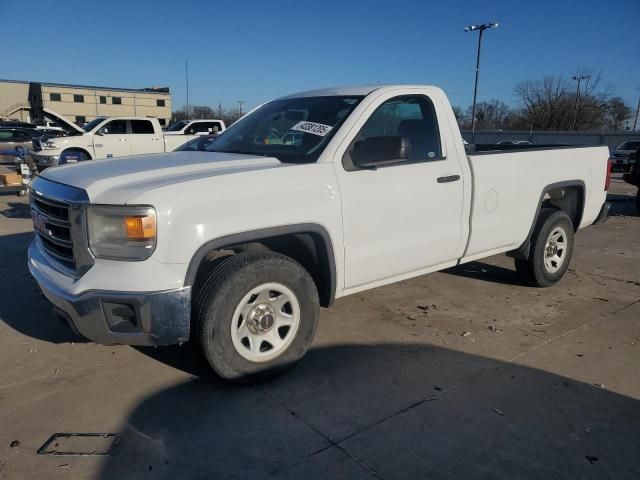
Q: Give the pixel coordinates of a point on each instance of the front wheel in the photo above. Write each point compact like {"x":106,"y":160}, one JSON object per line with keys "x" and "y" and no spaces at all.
{"x":73,"y":156}
{"x":551,"y":249}
{"x":256,"y":315}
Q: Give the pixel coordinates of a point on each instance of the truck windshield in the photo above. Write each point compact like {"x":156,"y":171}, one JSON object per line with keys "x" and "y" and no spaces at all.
{"x":293,"y":130}
{"x":92,"y":124}
{"x":176,"y":127}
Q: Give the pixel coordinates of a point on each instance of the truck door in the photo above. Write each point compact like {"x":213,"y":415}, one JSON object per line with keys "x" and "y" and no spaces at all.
{"x":144,"y":138}
{"x":403,"y":216}
{"x":112,"y":140}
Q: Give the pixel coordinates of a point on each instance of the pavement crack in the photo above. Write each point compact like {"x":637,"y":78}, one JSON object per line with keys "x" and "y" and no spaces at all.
{"x":625,"y":307}
{"x":335,"y":444}
{"x":551,"y":340}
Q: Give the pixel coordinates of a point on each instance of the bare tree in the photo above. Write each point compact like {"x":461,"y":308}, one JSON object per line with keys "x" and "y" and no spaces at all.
{"x":552,"y":104}
{"x":491,"y":115}
{"x":618,"y":112}
{"x":203,"y":111}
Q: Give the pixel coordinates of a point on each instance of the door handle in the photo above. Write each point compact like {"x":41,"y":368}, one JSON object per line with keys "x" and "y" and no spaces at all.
{"x":449,"y":178}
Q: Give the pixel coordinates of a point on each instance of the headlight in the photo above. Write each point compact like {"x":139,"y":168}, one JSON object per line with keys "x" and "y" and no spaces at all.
{"x":50,"y":145}
{"x":121,"y":232}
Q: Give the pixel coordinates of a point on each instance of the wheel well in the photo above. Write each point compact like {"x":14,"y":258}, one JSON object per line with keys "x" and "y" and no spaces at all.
{"x":569,"y":199}
{"x":309,"y":249}
{"x":76,"y":149}
{"x":565,"y":196}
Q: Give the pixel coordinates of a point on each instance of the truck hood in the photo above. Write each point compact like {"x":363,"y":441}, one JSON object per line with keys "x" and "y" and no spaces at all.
{"x":115,"y":180}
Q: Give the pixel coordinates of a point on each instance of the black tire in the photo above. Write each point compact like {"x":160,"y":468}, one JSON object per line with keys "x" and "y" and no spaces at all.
{"x":638,"y":200}
{"x":221,"y":293}
{"x":533,"y":270}
{"x":73,"y":155}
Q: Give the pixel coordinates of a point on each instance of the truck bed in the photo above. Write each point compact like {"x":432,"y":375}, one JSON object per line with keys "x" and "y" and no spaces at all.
{"x":503,"y":205}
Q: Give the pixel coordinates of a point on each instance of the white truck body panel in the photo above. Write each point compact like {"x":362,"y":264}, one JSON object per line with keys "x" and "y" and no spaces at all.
{"x":504,"y":206}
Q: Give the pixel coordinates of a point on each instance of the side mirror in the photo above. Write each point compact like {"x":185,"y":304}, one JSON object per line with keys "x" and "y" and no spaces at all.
{"x":375,"y":152}
{"x":102,"y":131}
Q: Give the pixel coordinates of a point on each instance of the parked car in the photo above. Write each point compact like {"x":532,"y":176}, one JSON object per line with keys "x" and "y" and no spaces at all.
{"x":198,"y":144}
{"x":106,"y":137}
{"x":621,"y":156}
{"x":16,"y":124}
{"x":236,"y":248}
{"x":15,"y":142}
{"x":633,"y":177}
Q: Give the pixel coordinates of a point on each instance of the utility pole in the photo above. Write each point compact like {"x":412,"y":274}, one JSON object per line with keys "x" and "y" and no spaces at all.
{"x":186,"y":71}
{"x":481,"y":28}
{"x":240,"y":105}
{"x":578,"y":78}
{"x":635,"y":122}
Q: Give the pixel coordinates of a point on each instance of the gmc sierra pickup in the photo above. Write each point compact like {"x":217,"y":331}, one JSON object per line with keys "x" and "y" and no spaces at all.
{"x":308,"y":198}
{"x":106,"y":137}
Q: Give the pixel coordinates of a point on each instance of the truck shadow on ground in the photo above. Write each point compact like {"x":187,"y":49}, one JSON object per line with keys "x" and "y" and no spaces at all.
{"x":486,"y":272}
{"x":382,"y":411}
{"x":16,"y":210}
{"x":32,"y":314}
{"x":622,"y":205}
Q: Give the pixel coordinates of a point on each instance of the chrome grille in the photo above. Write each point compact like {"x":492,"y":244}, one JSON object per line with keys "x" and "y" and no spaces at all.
{"x":53,"y":228}
{"x":59,"y":220}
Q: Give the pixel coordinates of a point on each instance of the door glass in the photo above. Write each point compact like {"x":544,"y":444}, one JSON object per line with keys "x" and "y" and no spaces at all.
{"x":115,"y":127}
{"x":412,"y":117}
{"x":141,"y":127}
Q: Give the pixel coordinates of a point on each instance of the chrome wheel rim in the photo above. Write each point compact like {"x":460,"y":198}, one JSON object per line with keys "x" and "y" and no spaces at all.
{"x":265,"y":322}
{"x":555,"y":250}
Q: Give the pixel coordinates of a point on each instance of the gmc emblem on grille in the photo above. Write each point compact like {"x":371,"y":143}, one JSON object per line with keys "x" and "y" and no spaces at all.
{"x":40,"y":224}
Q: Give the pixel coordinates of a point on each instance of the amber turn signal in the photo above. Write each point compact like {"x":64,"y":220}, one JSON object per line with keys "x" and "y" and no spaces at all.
{"x":140,"y":228}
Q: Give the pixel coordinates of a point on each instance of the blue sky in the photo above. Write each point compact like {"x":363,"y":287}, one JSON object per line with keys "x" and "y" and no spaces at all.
{"x":258,"y":50}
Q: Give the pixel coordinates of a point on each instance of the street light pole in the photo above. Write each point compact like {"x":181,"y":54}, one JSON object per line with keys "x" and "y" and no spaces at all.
{"x":481,"y":29}
{"x":579,"y":78}
{"x":635,"y":122}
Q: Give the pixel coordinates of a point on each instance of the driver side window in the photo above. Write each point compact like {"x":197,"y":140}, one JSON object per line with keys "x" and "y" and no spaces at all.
{"x":115,"y":127}
{"x":406,"y":126}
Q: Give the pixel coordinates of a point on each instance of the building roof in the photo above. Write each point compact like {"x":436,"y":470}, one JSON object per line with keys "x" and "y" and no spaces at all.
{"x":92,"y":87}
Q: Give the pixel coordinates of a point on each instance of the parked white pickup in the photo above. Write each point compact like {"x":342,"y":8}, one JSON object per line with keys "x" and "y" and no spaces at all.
{"x":107,"y":137}
{"x":308,"y":198}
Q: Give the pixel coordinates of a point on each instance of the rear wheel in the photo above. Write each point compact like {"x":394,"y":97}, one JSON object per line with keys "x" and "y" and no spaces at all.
{"x":256,"y":315}
{"x":551,"y":249}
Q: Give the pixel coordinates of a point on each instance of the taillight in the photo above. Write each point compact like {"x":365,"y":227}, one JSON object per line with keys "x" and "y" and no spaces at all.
{"x":607,"y":181}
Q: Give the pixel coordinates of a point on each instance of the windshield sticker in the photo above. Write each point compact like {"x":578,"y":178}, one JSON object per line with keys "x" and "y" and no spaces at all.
{"x":314,"y":128}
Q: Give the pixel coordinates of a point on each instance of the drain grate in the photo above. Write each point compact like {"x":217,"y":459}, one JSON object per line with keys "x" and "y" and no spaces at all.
{"x":79,"y":444}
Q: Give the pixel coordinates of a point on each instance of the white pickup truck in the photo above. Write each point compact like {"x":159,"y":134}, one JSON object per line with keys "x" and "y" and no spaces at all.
{"x":106,"y":137}
{"x":309,"y":198}
{"x":196,"y":127}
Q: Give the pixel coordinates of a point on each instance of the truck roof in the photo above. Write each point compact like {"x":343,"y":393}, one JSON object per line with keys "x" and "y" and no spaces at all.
{"x":348,"y":90}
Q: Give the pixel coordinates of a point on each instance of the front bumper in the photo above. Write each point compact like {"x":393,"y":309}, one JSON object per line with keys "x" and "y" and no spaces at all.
{"x":603,"y":216}
{"x":45,"y":161}
{"x":113,"y":317}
